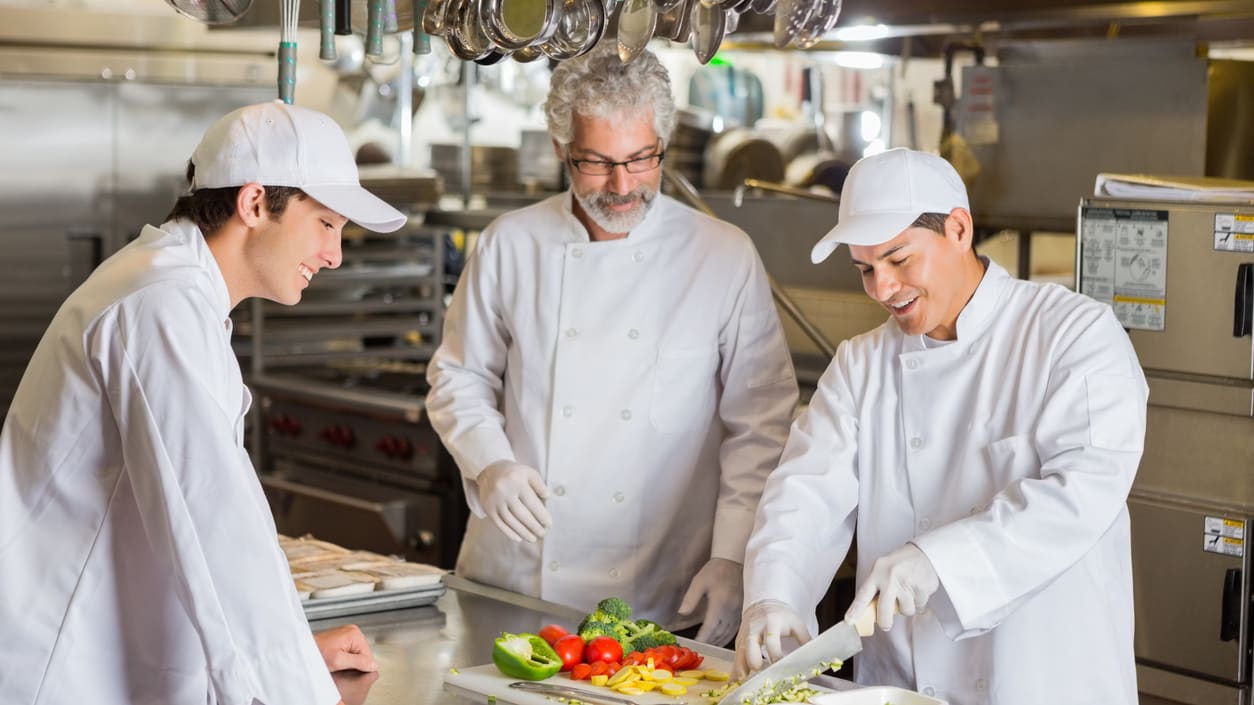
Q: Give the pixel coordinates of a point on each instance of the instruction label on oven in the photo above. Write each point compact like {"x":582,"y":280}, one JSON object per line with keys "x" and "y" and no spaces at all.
{"x":1225,"y":536}
{"x":1234,"y":232}
{"x":1124,"y":263}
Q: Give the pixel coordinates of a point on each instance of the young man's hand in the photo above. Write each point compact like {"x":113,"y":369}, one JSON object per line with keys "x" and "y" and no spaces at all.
{"x":344,"y":648}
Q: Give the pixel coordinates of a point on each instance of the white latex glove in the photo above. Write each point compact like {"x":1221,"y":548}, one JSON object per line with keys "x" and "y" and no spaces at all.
{"x":721,"y":583}
{"x":512,"y":495}
{"x":903,"y":580}
{"x":761,"y":627}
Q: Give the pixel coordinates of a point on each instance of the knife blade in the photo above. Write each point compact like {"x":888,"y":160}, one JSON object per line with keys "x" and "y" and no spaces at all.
{"x":812,"y":658}
{"x":579,"y":693}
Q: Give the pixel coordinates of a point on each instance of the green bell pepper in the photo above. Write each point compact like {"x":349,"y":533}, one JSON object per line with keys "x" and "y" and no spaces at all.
{"x":525,"y":656}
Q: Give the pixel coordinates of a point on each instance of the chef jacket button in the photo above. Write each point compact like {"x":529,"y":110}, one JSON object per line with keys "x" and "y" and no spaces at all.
{"x":615,"y":572}
{"x":929,"y":691}
{"x":981,"y":684}
{"x":577,"y":252}
{"x":560,"y":491}
{"x":912,"y":364}
{"x":915,"y":442}
{"x":554,"y":565}
{"x":572,"y":333}
{"x":568,"y":411}
{"x":626,"y":414}
{"x":925,"y":524}
{"x":619,"y":497}
{"x":633,"y":334}
{"x":639,"y":256}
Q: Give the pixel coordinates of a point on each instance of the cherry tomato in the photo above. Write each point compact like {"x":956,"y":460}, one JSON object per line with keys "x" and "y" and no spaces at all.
{"x":552,"y":633}
{"x":570,"y":649}
{"x":580,"y":672}
{"x":603,"y":648}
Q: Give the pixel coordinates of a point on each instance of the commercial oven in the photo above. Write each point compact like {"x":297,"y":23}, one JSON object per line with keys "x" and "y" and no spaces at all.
{"x":1180,"y":277}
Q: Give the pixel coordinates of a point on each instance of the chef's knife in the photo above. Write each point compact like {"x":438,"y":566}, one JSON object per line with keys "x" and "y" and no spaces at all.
{"x":590,"y":696}
{"x":809,"y":660}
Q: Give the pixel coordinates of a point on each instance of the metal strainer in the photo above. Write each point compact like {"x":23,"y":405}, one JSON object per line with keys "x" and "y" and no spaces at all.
{"x":215,"y":12}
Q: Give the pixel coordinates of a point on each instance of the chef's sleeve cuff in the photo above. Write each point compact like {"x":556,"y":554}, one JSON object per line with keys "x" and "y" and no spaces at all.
{"x":295,"y":676}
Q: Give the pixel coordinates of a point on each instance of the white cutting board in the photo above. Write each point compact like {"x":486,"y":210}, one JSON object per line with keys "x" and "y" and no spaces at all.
{"x":478,"y":682}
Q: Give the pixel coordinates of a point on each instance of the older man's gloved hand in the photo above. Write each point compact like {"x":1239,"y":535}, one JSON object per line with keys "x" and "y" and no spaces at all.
{"x":761,"y":628}
{"x":721,"y":583}
{"x":903,"y":580}
{"x":512,"y":496}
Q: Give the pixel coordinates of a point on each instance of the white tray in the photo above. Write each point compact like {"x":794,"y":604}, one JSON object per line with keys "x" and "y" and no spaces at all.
{"x":875,"y":695}
{"x":377,"y":601}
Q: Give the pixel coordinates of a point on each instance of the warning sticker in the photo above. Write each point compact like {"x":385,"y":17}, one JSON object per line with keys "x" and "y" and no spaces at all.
{"x":1234,"y":232}
{"x":1124,"y":263}
{"x":1223,"y":544}
{"x":1218,"y":526}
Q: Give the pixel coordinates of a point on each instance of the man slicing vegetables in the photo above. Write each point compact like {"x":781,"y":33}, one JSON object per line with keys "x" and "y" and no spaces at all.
{"x":982,"y":443}
{"x":613,"y":380}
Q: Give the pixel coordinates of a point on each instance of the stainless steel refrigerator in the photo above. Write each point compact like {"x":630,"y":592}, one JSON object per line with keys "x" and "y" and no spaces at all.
{"x":1180,"y":277}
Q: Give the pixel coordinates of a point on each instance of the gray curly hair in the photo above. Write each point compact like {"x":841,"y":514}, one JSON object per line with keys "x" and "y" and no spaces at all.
{"x":598,"y":84}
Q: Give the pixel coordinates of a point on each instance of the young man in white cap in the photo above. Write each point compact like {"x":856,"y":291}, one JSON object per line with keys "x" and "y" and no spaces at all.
{"x":140,"y":560}
{"x":980,"y":444}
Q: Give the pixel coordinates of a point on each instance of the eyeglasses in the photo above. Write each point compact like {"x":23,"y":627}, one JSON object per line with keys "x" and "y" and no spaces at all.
{"x":596,"y":167}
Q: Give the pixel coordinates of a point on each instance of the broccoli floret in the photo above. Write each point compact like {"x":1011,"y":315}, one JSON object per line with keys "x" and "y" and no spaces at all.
{"x":643,"y":634}
{"x":616,"y":608}
{"x":612,"y":618}
{"x":590,"y":629}
{"x":596,"y":617}
{"x":651,"y":636}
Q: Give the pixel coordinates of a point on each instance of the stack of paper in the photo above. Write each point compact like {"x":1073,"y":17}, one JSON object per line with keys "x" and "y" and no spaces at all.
{"x":1174,"y":188}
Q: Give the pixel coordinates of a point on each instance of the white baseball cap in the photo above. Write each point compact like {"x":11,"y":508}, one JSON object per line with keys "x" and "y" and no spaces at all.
{"x":276,"y":144}
{"x":884,"y":193}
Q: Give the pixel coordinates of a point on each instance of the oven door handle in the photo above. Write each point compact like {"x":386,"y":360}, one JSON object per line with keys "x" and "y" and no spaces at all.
{"x":1243,"y":301}
{"x":279,"y":483}
{"x":1230,"y":618}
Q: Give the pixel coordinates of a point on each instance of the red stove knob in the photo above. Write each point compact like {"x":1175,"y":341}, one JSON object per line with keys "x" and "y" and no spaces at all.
{"x":285,"y":425}
{"x":338,"y":436}
{"x":386,"y":445}
{"x":345,"y":436}
{"x":394,"y":447}
{"x":404,"y":449}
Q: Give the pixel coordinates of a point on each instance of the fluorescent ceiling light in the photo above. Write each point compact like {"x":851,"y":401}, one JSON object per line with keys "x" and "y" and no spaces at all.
{"x":858,"y":60}
{"x":862,"y":33}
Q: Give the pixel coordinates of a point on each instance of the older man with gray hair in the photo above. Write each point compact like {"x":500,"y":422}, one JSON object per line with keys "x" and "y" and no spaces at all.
{"x":614,"y":381}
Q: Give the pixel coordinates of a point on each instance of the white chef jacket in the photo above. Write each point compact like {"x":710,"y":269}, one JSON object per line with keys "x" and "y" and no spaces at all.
{"x":648,"y":381}
{"x":1006,"y":456}
{"x":139,"y":558}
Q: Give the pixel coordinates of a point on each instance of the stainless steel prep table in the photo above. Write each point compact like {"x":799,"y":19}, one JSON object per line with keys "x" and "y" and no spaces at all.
{"x":415,"y":647}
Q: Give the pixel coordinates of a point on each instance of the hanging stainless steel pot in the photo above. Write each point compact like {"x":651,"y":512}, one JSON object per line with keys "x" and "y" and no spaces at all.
{"x":515,"y":24}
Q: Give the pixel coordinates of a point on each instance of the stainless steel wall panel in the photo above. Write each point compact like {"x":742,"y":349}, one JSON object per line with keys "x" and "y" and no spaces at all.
{"x":56,"y":152}
{"x":1060,"y":121}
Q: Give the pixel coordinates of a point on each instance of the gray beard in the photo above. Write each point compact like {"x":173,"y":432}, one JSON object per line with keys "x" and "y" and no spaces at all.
{"x":597,"y":203}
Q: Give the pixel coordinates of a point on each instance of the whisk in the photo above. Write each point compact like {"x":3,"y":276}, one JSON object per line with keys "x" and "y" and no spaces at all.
{"x":289,"y":13}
